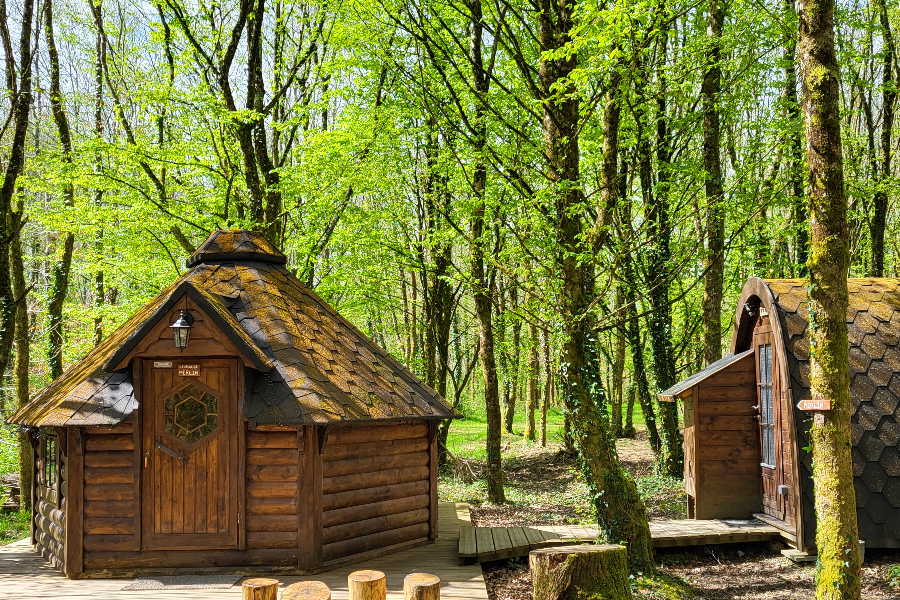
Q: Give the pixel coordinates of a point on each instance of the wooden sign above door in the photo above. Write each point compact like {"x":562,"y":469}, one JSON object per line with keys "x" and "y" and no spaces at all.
{"x":189,"y":370}
{"x":814,"y":405}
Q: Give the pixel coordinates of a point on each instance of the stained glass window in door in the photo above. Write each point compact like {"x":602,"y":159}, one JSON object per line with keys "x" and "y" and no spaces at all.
{"x":191,"y":414}
{"x":766,"y":405}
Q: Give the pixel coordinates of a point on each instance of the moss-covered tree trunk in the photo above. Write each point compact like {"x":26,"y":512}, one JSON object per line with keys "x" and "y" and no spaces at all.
{"x":837,"y":539}
{"x":671,"y":458}
{"x":20,"y":93}
{"x":534,"y":374}
{"x":878,"y":223}
{"x":580,"y":573}
{"x":60,"y":274}
{"x":22,"y":362}
{"x":795,"y":139}
{"x":714,"y":261}
{"x":620,"y":511}
{"x":482,"y":280}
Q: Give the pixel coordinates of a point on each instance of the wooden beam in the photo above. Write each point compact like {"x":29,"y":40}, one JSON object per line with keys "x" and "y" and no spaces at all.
{"x":74,"y":549}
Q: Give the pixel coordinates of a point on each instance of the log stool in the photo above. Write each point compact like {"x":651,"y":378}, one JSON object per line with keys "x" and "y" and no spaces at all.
{"x":306,"y":590}
{"x":260,"y":588}
{"x":582,"y":571}
{"x":367,"y":585}
{"x":421,"y":586}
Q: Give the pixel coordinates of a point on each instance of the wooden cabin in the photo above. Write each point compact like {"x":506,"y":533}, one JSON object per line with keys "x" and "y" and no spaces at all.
{"x":745,"y":434}
{"x":280,"y":438}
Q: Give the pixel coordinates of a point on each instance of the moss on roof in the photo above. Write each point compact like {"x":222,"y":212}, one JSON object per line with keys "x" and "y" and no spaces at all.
{"x":323,"y":369}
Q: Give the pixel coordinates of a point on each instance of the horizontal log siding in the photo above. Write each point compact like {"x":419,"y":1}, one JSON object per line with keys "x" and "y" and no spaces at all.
{"x":110,"y":484}
{"x":49,"y":514}
{"x":273,"y":492}
{"x":375,"y":488}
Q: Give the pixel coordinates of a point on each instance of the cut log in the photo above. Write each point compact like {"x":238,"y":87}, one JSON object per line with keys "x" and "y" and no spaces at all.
{"x":306,"y":590}
{"x":260,"y":588}
{"x":583,"y":571}
{"x":367,"y":585}
{"x":421,"y":586}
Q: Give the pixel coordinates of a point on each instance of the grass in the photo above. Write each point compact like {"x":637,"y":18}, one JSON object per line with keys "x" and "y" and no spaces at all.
{"x":13,"y":526}
{"x":541,"y":487}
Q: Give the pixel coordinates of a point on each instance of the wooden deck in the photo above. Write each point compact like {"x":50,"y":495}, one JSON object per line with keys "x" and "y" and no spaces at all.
{"x":482,"y":544}
{"x":25,"y":575}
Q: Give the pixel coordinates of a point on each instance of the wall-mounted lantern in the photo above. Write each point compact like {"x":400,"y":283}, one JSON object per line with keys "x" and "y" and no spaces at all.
{"x":182,"y":329}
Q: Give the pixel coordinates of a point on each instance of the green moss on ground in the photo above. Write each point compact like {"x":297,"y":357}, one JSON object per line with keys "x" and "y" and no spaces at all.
{"x":660,"y":586}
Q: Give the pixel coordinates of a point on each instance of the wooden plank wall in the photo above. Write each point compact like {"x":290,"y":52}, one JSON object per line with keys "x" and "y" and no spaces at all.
{"x":376,"y":489}
{"x":728,"y":476}
{"x":49,"y":515}
{"x":111,"y":522}
{"x":272,"y":493}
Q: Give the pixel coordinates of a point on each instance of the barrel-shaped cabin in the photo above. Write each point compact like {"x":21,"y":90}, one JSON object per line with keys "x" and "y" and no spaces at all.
{"x":746,"y":425}
{"x":235,"y":422}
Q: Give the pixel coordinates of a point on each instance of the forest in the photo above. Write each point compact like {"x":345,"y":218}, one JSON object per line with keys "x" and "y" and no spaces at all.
{"x":540,"y":207}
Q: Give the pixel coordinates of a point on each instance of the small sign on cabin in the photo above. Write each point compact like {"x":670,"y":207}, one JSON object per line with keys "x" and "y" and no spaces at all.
{"x":189,"y":370}
{"x":162,"y":364}
{"x":814,"y":405}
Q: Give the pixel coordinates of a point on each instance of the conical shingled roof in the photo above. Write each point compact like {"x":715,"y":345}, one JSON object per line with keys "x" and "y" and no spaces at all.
{"x":324,"y":369}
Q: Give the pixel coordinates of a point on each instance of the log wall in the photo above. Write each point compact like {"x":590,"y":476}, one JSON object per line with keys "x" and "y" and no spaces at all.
{"x":376,"y":489}
{"x":111,"y":487}
{"x":273,"y":508}
{"x":50,"y":499}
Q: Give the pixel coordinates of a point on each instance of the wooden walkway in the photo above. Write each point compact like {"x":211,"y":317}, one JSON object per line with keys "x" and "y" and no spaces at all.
{"x":480,"y":544}
{"x":26,"y":576}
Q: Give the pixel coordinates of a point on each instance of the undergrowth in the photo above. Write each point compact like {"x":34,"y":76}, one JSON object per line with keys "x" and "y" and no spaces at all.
{"x":13,"y":526}
{"x":893,"y":576}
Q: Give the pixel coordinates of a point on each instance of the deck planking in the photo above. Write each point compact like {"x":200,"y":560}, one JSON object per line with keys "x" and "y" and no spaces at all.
{"x":24,"y":571}
{"x":496,"y":543}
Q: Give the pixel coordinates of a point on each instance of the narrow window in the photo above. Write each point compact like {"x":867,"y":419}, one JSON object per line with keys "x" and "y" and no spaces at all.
{"x":766,"y":406}
{"x":50,"y":457}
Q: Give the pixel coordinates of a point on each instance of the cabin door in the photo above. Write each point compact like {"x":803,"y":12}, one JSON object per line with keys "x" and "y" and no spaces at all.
{"x":190,"y":454}
{"x":769,"y":406}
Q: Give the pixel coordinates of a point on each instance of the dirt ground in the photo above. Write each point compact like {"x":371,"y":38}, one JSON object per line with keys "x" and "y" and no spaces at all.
{"x":746,"y":571}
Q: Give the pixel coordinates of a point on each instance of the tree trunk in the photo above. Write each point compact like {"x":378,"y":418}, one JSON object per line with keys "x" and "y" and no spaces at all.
{"x":548,"y":379}
{"x":99,"y":284}
{"x":714,"y":263}
{"x":482,"y":283}
{"x":15,"y":163}
{"x":59,"y":287}
{"x":629,"y":431}
{"x":671,"y":459}
{"x":618,"y":371}
{"x":599,"y":572}
{"x":619,"y":508}
{"x":795,"y":144}
{"x":23,"y":354}
{"x":838,"y":571}
{"x":534,"y":374}
{"x":516,"y":358}
{"x":633,"y":331}
{"x":878,"y":222}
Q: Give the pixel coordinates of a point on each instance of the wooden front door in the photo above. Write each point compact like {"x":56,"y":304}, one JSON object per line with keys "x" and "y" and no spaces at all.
{"x":769,"y":406}
{"x":190,"y":454}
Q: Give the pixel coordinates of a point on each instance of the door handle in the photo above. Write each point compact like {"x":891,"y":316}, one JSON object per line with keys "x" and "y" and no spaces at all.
{"x":171,"y":452}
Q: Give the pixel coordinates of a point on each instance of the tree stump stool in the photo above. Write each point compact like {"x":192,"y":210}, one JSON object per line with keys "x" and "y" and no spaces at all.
{"x":306,"y":590}
{"x":260,"y":588}
{"x":367,"y":585}
{"x":599,"y":572}
{"x":421,"y":586}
